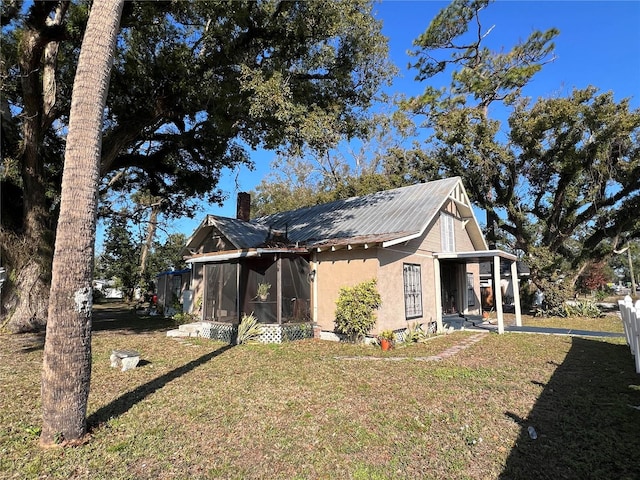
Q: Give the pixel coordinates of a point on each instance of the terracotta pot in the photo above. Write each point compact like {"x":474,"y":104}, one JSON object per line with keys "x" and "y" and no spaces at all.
{"x":385,"y":344}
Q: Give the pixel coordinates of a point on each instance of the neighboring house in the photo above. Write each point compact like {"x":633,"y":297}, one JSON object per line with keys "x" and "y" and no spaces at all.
{"x":422,"y":243}
{"x":108,"y":289}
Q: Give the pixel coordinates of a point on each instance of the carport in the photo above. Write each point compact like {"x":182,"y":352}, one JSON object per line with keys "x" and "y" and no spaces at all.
{"x":477,"y":257}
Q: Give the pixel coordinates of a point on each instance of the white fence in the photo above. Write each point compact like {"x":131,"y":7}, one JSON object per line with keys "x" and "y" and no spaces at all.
{"x":631,"y":322}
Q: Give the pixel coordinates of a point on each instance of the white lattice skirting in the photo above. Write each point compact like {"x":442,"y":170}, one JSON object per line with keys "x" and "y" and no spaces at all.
{"x":271,"y":333}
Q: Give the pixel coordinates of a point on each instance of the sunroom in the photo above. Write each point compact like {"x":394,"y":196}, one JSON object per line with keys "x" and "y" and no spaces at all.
{"x":273,"y":284}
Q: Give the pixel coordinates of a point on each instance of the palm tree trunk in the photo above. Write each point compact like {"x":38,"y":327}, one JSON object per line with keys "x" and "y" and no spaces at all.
{"x":67,"y":352}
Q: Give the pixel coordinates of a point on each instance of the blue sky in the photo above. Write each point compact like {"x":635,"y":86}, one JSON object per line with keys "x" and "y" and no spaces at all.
{"x":599,"y":45}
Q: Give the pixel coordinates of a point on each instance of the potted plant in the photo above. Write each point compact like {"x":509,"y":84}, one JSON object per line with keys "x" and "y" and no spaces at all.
{"x":386,"y":337}
{"x":263,"y":291}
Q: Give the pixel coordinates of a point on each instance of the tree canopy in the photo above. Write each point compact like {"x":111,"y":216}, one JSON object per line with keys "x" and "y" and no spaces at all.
{"x":563,"y":181}
{"x":195,"y":87}
{"x":559,"y":177}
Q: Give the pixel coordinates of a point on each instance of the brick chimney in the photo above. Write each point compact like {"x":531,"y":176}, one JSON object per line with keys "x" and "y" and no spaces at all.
{"x":243,"y":206}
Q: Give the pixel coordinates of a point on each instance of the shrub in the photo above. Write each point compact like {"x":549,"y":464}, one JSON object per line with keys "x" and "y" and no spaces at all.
{"x":583,"y":309}
{"x":249,"y":329}
{"x":414,"y":333}
{"x":355,"y":310}
{"x":182,"y":318}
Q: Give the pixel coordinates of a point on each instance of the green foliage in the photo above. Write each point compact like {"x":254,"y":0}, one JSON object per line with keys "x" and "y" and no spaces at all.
{"x":583,"y":309}
{"x":193,"y":82}
{"x":263,"y":290}
{"x":387,"y":335}
{"x":183,"y":318}
{"x":167,"y":255}
{"x":355,"y":310}
{"x":562,"y":185}
{"x":414,"y":333}
{"x":575,"y":309}
{"x":120,"y":259}
{"x":249,"y":329}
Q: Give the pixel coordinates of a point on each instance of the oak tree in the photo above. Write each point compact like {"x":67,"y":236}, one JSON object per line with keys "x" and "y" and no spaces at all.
{"x":196,"y":87}
{"x":561,"y":181}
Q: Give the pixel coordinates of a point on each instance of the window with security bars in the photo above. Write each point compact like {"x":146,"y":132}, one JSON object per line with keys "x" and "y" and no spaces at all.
{"x":412,"y":291}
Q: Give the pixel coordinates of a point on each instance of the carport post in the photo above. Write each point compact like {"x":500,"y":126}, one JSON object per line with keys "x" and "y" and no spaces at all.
{"x":515,"y":284}
{"x":438,"y":294}
{"x":497,"y":292}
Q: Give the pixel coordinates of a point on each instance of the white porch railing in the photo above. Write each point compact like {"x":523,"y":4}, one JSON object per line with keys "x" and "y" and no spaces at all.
{"x":631,"y":322}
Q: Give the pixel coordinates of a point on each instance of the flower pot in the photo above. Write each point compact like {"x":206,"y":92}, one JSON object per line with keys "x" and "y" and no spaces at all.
{"x":385,"y":344}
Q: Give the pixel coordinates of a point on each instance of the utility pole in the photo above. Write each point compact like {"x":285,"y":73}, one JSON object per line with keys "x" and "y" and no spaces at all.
{"x":633,"y":278}
{"x":631,"y":273}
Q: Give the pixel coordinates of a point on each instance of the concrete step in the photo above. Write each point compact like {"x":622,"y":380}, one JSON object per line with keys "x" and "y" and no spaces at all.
{"x":177,"y":333}
{"x":191,"y":327}
{"x":188,"y":330}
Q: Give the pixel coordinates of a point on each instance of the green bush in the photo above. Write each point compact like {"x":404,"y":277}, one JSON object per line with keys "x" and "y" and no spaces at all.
{"x":183,"y":318}
{"x":583,"y":309}
{"x":578,"y":309}
{"x":355,"y":310}
{"x":249,"y":329}
{"x":414,"y":333}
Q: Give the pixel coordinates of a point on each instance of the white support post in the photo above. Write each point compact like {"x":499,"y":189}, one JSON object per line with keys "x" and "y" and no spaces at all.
{"x":497,"y":293}
{"x":436,"y":272}
{"x":516,"y":292}
{"x":314,"y":287}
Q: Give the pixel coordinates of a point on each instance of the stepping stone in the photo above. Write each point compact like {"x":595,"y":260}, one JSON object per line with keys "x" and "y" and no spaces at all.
{"x":127,"y":359}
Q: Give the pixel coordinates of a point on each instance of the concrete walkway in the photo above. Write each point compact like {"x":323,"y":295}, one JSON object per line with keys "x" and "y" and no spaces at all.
{"x":477,"y":323}
{"x":550,"y":331}
{"x":449,"y":352}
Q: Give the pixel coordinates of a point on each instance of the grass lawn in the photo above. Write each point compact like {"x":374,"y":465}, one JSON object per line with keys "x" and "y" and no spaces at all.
{"x":199,"y":409}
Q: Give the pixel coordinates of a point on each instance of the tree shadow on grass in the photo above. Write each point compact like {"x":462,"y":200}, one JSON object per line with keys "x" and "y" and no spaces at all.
{"x":124,"y":319}
{"x":122,"y":404}
{"x":585,"y":421}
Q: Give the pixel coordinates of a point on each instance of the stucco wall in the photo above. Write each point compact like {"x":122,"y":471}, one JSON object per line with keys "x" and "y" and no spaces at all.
{"x":391,"y":285}
{"x":349,"y":267}
{"x":338,"y":269}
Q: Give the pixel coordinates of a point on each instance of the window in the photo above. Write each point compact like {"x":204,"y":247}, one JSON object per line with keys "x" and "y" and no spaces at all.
{"x":447,"y":233}
{"x":412,"y":291}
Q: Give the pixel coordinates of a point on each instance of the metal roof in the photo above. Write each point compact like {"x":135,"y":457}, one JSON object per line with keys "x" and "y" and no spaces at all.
{"x":402,"y":211}
{"x":385,"y":217}
{"x":242,"y":234}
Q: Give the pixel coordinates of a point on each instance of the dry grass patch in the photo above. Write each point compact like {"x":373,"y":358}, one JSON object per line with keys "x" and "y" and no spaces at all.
{"x":200,"y":409}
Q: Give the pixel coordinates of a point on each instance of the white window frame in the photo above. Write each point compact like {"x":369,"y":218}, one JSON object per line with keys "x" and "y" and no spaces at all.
{"x":412,"y":283}
{"x":447,"y":232}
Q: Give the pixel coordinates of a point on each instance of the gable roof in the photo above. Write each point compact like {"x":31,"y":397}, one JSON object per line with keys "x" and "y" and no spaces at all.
{"x":387,"y":217}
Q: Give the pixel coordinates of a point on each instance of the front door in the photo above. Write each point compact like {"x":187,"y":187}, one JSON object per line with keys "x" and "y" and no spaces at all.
{"x":450,"y":285}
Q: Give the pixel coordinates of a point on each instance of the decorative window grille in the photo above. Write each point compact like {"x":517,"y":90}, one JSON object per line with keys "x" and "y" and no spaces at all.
{"x":447,"y":225}
{"x":412,"y":291}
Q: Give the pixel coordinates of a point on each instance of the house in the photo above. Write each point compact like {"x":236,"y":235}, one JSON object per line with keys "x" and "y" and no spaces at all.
{"x":422,"y":243}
